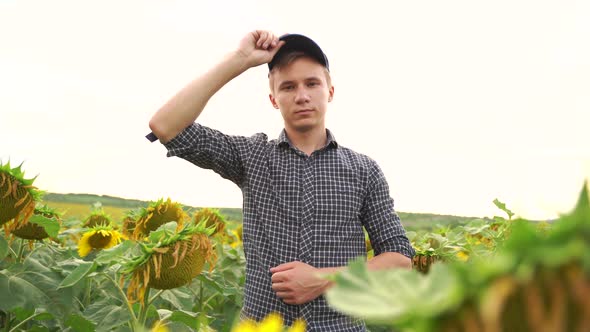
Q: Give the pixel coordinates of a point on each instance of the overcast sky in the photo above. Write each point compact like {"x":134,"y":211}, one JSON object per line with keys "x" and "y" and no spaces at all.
{"x":460,"y":102}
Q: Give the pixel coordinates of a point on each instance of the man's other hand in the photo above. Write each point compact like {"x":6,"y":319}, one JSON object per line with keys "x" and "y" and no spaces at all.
{"x":297,"y":282}
{"x":259,"y":47}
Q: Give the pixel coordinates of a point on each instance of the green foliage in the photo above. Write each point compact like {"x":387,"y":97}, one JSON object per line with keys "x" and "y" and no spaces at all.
{"x":479,"y":290}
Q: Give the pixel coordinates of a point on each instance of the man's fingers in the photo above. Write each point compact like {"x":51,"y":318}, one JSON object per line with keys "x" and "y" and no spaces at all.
{"x":280,"y":287}
{"x":285,"y":295}
{"x":278,"y":277}
{"x":276,"y":47}
{"x":283,"y":267}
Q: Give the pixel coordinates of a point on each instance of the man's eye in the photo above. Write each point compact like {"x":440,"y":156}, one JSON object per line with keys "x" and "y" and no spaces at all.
{"x":287,"y":87}
{"x":312,"y":83}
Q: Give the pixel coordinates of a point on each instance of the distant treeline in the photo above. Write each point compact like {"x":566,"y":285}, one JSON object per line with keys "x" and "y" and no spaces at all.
{"x":409,"y":220}
{"x":90,"y":199}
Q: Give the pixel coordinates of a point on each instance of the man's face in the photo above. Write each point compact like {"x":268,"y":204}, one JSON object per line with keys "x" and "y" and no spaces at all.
{"x":302,"y":92}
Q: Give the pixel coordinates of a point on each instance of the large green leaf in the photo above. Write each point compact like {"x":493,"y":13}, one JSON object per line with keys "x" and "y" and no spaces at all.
{"x":180,"y":298}
{"x":17,"y":292}
{"x":50,"y":225}
{"x":188,"y":318}
{"x":114,"y":254}
{"x":80,"y":324}
{"x":78,"y":274}
{"x":106,"y":316}
{"x":394,"y":296}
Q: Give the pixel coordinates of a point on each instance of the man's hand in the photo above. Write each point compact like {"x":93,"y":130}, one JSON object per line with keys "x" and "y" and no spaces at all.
{"x":297,"y":282}
{"x":259,"y":47}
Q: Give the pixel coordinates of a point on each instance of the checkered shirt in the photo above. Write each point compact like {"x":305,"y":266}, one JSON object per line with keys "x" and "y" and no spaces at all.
{"x":303,"y":208}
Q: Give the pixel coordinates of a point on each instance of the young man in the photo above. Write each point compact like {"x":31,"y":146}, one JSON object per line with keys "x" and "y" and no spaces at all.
{"x":306,"y":198}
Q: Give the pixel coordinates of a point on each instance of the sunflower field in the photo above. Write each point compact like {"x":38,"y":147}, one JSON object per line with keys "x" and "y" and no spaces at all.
{"x":165,"y":268}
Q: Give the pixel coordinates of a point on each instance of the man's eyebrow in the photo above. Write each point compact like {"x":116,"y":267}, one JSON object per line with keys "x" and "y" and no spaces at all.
{"x":286,"y":82}
{"x":307,"y":79}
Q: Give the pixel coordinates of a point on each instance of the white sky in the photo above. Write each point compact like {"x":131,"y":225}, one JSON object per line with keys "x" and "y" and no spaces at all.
{"x":460,"y":102}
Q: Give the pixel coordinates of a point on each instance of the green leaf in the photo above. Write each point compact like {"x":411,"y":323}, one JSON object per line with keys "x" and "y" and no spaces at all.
{"x":50,"y":225}
{"x":114,"y":254}
{"x":503,"y":207}
{"x":394,"y":296}
{"x":106,"y":316}
{"x":80,"y":324}
{"x":188,"y":318}
{"x":78,"y":274}
{"x":178,"y":298}
{"x":3,"y":248}
{"x":17,"y":292}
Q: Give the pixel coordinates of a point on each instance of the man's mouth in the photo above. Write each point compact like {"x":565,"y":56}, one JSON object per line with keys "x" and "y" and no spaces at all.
{"x":307,"y":111}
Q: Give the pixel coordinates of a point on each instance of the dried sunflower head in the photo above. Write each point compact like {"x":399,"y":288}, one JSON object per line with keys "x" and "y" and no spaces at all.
{"x":130,"y":222}
{"x":156,"y":214}
{"x":18,"y":196}
{"x":212,"y":217}
{"x":45,"y":220}
{"x":169,"y":258}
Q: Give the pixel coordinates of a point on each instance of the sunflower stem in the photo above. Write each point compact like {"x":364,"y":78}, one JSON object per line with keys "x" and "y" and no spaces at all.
{"x":155,"y":296}
{"x":87,"y":293}
{"x":21,"y":249}
{"x":200,"y":296}
{"x":15,"y":328}
{"x":144,"y":307}
{"x":124,"y":298}
{"x":8,"y":319}
{"x":12,"y":252}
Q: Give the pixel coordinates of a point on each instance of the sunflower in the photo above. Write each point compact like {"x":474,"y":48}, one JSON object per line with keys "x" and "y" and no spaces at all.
{"x":271,"y":323}
{"x":130,"y":221}
{"x":43,"y":219}
{"x":98,"y":237}
{"x":235,"y":240}
{"x":156,"y":214}
{"x":18,"y":196}
{"x":97,"y":218}
{"x":169,"y":259}
{"x":212,"y":217}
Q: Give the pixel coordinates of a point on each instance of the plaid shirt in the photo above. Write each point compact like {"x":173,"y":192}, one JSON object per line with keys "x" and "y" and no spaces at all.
{"x":303,"y":208}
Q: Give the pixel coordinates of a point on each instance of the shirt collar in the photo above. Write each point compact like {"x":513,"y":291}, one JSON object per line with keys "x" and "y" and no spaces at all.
{"x":284,"y":141}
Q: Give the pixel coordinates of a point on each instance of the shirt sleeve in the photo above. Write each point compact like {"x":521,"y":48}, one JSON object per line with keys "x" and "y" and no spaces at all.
{"x":380,"y":219}
{"x":211,"y":149}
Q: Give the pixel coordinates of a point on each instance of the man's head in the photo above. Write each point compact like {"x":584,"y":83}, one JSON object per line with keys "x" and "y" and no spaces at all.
{"x":300,"y":82}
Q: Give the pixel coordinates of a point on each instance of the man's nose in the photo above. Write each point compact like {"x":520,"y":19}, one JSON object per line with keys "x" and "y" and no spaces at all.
{"x":302,"y":95}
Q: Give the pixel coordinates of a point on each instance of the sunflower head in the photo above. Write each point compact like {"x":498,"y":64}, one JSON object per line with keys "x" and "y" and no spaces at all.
{"x":98,"y":238}
{"x":169,"y":258}
{"x":97,"y":218}
{"x":212,"y":218}
{"x":157,"y":214}
{"x":130,"y":221}
{"x":44,"y":217}
{"x":18,"y":196}
{"x":271,"y":323}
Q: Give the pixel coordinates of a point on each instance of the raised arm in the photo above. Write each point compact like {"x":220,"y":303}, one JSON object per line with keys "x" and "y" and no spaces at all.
{"x":256,"y":48}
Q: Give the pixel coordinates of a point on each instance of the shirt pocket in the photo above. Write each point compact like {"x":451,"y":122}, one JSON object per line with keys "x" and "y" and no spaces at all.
{"x":339,"y":202}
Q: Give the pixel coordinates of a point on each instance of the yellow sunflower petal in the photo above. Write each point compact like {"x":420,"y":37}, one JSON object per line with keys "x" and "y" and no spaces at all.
{"x":115,"y":238}
{"x":159,"y":327}
{"x":245,"y":326}
{"x":84,"y":247}
{"x":272,"y":323}
{"x":298,"y":326}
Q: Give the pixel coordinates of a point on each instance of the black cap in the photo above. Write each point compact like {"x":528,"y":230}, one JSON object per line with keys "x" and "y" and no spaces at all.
{"x":295,"y":42}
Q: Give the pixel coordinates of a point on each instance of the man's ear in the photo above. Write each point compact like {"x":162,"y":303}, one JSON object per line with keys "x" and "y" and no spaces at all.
{"x":331,"y":96}
{"x":273,"y":101}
